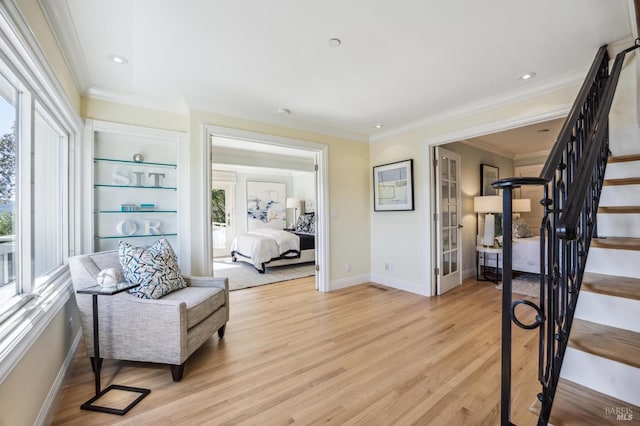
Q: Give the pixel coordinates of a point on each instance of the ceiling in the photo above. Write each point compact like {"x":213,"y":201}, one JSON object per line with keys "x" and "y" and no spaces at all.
{"x":399,"y":63}
{"x":523,"y":142}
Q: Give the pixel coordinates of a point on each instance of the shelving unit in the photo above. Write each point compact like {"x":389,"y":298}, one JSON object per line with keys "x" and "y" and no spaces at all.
{"x":135,"y":201}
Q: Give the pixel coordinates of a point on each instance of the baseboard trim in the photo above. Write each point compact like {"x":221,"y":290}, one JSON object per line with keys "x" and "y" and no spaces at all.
{"x":349,"y":281}
{"x":411,"y":287}
{"x":44,"y":416}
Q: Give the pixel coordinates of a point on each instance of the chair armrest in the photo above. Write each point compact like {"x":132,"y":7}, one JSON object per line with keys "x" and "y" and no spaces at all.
{"x":207,"y":282}
{"x":222,"y":283}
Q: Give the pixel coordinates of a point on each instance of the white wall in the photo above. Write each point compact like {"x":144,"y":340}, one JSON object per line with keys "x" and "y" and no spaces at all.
{"x":304,"y":188}
{"x":240,"y":196}
{"x":404,"y":239}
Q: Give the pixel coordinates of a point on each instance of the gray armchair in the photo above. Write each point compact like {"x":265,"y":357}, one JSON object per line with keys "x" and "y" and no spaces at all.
{"x":166,"y":330}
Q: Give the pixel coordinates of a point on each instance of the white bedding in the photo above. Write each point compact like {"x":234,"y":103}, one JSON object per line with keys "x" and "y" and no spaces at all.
{"x":263,"y":245}
{"x":526,"y":255}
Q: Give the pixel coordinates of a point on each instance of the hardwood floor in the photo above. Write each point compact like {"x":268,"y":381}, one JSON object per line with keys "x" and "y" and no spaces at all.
{"x":367,"y":355}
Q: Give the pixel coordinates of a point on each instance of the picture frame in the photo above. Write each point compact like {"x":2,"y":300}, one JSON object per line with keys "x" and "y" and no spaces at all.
{"x":488,"y":174}
{"x":266,"y":205}
{"x":393,"y":186}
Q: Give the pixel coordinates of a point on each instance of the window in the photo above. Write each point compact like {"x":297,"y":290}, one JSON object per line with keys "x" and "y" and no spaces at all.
{"x":49,"y":196}
{"x":34,"y":200}
{"x":39,"y":130}
{"x":8,"y":174}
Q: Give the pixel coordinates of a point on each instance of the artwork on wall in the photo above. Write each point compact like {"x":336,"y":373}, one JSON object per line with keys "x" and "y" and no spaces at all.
{"x":393,"y":186}
{"x":266,"y":205}
{"x":488,"y":174}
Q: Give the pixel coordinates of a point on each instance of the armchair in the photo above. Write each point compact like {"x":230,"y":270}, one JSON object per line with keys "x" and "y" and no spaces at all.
{"x":166,"y":330}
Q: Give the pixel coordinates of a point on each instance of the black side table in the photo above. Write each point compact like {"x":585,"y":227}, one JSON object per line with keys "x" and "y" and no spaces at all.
{"x":96,"y":291}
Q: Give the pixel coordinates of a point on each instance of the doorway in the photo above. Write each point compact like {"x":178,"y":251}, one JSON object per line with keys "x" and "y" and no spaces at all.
{"x":264,"y":151}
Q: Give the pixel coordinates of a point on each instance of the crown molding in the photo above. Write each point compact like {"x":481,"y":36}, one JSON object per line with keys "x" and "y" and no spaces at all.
{"x":618,"y":46}
{"x":58,"y":16}
{"x":550,"y":85}
{"x":545,"y":114}
{"x":109,"y":95}
{"x":528,"y":155}
{"x":277,"y":120}
{"x":28,"y":56}
{"x":182,"y":107}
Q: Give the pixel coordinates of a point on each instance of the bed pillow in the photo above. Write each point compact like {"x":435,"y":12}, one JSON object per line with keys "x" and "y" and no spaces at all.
{"x":306,"y":223}
{"x":521,"y":229}
{"x":154,"y":268}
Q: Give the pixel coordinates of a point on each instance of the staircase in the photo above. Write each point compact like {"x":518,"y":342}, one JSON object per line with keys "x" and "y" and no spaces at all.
{"x":600,"y":377}
{"x":588,"y":314}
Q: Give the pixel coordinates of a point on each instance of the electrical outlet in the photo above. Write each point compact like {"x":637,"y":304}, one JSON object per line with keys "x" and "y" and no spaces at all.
{"x":347,"y":267}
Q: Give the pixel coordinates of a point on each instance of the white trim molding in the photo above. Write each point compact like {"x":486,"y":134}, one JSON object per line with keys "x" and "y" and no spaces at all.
{"x":411,"y":287}
{"x":24,"y":328}
{"x":548,"y":86}
{"x":322,"y":152}
{"x":350,"y":281}
{"x":551,"y":113}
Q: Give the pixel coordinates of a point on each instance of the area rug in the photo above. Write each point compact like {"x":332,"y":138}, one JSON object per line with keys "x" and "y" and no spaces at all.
{"x":242,"y":275}
{"x":525,"y":284}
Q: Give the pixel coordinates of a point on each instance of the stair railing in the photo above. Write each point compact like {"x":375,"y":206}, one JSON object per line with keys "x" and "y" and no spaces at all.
{"x":572,"y":179}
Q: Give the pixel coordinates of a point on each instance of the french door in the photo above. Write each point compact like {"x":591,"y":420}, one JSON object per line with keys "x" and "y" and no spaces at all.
{"x":222,"y":222}
{"x":449,"y":235}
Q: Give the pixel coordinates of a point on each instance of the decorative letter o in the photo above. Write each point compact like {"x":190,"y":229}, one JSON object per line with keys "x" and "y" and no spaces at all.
{"x":121,"y":228}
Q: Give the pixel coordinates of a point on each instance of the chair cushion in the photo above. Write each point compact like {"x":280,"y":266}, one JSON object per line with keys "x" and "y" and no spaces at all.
{"x":201,"y":302}
{"x":155,"y":268}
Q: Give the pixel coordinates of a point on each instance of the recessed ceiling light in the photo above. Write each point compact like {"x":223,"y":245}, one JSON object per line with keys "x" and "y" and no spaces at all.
{"x":379,"y":126}
{"x":335,"y":42}
{"x":118,"y":59}
{"x":284,"y":111}
{"x":527,"y":76}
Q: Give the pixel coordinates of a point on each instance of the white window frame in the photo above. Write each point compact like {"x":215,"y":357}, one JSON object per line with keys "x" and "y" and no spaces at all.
{"x":25,"y":66}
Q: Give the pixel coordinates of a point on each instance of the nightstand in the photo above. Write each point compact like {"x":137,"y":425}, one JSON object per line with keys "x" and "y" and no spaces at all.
{"x":486,"y":252}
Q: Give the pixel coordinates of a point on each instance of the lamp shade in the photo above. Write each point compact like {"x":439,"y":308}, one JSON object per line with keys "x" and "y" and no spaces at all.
{"x":487,"y":204}
{"x":493,"y":204}
{"x":521,"y":205}
{"x":293,"y":203}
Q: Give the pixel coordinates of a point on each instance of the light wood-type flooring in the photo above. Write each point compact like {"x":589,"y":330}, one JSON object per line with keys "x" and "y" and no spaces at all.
{"x":366,"y":355}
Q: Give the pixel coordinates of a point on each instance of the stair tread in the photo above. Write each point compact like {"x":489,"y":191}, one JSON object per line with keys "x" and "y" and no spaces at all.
{"x":579,"y":405}
{"x":606,"y":342}
{"x":611,"y":285}
{"x":619,"y":209}
{"x":622,"y":181}
{"x":616,"y":243}
{"x":624,"y":158}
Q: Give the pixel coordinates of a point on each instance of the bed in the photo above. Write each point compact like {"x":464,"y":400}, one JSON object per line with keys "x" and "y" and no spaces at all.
{"x":264,"y":248}
{"x":526,"y":255}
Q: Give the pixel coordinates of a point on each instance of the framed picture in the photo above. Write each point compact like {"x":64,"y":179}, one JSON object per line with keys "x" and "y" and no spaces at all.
{"x":266,"y":205}
{"x":488,"y":174}
{"x":393,"y":186}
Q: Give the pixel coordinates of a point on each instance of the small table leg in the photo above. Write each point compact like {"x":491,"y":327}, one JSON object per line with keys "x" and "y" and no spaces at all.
{"x":97,"y":366}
